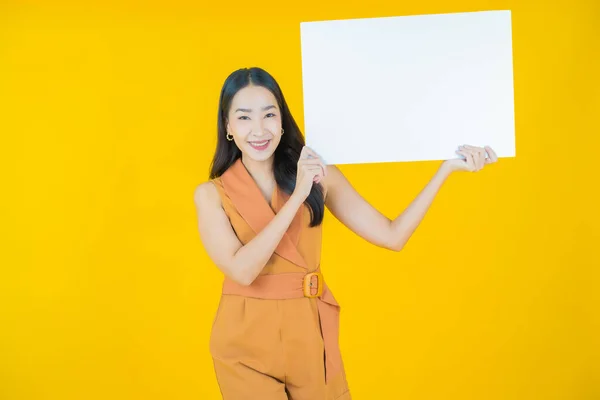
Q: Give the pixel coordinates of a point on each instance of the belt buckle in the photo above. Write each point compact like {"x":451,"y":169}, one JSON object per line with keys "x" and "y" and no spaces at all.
{"x":308,"y":284}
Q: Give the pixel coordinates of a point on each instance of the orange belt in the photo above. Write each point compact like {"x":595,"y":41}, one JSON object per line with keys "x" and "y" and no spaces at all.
{"x":294,"y":286}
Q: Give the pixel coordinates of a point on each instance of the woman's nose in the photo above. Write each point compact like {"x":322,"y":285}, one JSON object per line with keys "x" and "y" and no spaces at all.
{"x":257,"y":129}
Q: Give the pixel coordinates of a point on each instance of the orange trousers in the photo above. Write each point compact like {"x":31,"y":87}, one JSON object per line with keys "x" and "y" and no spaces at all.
{"x":272,"y":349}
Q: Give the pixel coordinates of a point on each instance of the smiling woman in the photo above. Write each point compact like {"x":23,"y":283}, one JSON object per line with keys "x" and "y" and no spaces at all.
{"x":275,"y":335}
{"x":253,"y":118}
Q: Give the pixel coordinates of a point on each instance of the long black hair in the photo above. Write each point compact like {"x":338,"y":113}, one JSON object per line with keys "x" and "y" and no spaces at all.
{"x":287,"y":153}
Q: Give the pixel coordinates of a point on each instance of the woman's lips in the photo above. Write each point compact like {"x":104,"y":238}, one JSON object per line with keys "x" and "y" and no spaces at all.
{"x":262,"y":145}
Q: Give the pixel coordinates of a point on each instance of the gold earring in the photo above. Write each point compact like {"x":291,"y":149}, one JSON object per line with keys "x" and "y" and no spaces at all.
{"x":230,"y":138}
{"x":282,"y":131}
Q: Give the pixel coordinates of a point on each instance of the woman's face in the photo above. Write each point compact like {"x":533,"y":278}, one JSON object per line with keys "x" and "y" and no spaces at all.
{"x":254,"y":120}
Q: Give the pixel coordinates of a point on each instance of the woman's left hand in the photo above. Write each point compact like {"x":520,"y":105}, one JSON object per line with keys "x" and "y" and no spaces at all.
{"x":475,"y":158}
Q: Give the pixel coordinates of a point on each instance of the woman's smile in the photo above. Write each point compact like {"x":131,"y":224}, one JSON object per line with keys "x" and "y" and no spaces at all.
{"x":260,"y":145}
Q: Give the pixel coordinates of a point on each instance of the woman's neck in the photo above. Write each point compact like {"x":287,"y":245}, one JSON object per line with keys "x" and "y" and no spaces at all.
{"x":261,"y":171}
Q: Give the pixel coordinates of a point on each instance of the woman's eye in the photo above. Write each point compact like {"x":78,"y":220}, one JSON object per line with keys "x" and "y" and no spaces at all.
{"x":243,"y":117}
{"x":271,"y":114}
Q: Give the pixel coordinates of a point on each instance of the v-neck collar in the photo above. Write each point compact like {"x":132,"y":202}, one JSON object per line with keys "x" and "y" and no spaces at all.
{"x":249,"y":201}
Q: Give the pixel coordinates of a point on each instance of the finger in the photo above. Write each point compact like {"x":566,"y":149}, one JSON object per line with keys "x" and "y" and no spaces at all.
{"x":461,"y":153}
{"x":478,"y":154}
{"x":479,"y":157}
{"x":469,"y":160}
{"x":469,"y":147}
{"x":490,"y":158}
{"x":316,"y":176}
{"x":311,"y":152}
{"x":492,"y":154}
{"x":311,"y":161}
{"x":480,"y":151}
{"x":304,"y":153}
{"x":474,"y":148}
{"x":313,"y":170}
{"x":315,"y":161}
{"x":473,"y":161}
{"x":312,"y":167}
{"x":475,"y":156}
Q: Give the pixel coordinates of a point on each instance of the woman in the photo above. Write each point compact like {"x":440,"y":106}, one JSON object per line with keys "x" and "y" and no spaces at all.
{"x":275,"y":334}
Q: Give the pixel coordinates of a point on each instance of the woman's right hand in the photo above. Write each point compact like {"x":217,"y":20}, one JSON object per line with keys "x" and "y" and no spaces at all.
{"x":311,"y":169}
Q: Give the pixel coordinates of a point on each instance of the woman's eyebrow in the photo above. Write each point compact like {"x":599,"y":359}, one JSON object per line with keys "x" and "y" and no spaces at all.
{"x":248,"y":110}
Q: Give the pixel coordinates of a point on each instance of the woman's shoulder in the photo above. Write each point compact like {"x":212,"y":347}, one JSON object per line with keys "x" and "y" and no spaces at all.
{"x":208,"y":193}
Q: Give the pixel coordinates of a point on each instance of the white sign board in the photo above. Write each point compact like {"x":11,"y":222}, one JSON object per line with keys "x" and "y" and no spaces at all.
{"x":409,"y":88}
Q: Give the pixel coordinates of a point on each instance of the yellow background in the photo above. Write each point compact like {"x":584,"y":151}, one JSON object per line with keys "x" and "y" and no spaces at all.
{"x":108,"y":123}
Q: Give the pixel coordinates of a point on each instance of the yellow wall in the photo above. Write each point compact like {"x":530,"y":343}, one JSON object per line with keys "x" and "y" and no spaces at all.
{"x":107,"y":121}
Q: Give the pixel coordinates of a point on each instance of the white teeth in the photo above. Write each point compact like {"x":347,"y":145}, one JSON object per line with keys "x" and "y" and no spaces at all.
{"x":259,"y":143}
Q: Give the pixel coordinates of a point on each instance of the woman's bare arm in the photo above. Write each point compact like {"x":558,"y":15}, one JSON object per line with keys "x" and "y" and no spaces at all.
{"x":241,"y":263}
{"x":357,"y":214}
{"x":347,"y":205}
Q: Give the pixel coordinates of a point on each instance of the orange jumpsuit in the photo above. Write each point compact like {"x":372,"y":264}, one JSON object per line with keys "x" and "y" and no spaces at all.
{"x":277,"y":338}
